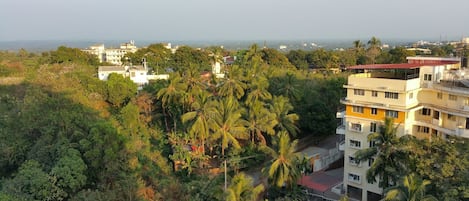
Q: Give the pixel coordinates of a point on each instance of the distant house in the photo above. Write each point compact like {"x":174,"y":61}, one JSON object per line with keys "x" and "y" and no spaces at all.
{"x":138,"y":74}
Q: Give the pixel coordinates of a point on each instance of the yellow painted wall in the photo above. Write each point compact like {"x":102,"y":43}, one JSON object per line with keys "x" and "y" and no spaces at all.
{"x":378,"y":117}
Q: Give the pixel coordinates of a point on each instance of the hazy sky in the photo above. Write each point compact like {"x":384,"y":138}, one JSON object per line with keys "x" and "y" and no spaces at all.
{"x":232,"y":20}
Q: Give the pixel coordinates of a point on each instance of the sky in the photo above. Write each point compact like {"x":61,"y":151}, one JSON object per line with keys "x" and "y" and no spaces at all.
{"x":232,"y":20}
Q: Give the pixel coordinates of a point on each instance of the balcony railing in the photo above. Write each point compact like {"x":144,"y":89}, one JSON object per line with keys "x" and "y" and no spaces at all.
{"x":340,"y":115}
{"x":340,"y":130}
{"x":462,"y":132}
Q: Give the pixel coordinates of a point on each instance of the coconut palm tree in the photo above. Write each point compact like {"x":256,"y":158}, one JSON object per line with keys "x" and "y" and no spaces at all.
{"x":260,"y":121}
{"x":357,"y":45}
{"x":374,"y":49}
{"x":199,"y":118}
{"x":242,"y":189}
{"x":257,"y":90}
{"x":283,"y":169}
{"x":226,"y":123}
{"x":170,"y":97}
{"x":388,"y":162}
{"x":286,"y":121}
{"x":287,"y":86}
{"x":411,"y":188}
{"x":233,"y":85}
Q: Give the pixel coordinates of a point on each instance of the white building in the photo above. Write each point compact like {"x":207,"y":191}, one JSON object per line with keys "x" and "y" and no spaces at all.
{"x":112,"y":55}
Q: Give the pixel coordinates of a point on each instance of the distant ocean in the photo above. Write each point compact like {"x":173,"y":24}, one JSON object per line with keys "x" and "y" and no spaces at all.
{"x":285,"y":45}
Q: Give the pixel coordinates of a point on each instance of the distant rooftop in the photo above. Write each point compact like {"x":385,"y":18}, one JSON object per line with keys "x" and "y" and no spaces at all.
{"x":403,"y":65}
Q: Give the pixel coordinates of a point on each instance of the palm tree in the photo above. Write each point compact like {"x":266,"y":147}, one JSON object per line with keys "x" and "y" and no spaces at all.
{"x":170,"y":96}
{"x":258,"y":90}
{"x":260,"y":121}
{"x":374,"y":48}
{"x":388,"y":158}
{"x":287,"y":86}
{"x":226,"y":123}
{"x":199,"y":118}
{"x":233,"y":85}
{"x":357,"y":45}
{"x":286,"y":121}
{"x":411,"y":188}
{"x":283,"y":169}
{"x":242,"y":189}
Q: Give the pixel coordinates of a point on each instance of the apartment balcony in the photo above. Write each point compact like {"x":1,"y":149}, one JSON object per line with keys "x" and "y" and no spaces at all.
{"x":342,"y":146}
{"x":340,"y":115}
{"x":462,"y":132}
{"x":340,"y":130}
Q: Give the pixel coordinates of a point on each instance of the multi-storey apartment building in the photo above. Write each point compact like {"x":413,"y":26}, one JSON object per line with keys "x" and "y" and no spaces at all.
{"x":427,"y":97}
{"x":112,"y":55}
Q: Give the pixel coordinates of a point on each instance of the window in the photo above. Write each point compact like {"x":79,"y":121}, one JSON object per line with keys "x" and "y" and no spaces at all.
{"x":411,"y":95}
{"x":467,"y":123}
{"x":356,"y":127}
{"x":354,"y":177}
{"x":373,"y":127}
{"x":427,"y":77}
{"x":374,"y":111}
{"x":372,"y":143}
{"x":452,"y":97}
{"x":374,"y":93}
{"x":423,"y":129}
{"x":353,"y":161}
{"x":426,"y":111}
{"x":355,"y":144}
{"x":370,"y":162}
{"x":392,"y":113}
{"x":436,"y":114}
{"x":439,"y":95}
{"x":391,"y":95}
{"x":451,"y":117}
{"x":357,"y":109}
{"x":359,"y":92}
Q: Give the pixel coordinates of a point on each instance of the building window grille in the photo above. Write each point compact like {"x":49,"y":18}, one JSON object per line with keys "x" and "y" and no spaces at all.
{"x":373,"y":127}
{"x":392,"y":113}
{"x":374,"y":93}
{"x":439,"y":95}
{"x":356,"y":127}
{"x":436,"y":114}
{"x":426,"y":111}
{"x":370,"y":162}
{"x":354,"y":178}
{"x":452,"y":97}
{"x":352,"y":160}
{"x":355,"y":144}
{"x":451,"y":117}
{"x":391,"y":95}
{"x":374,"y":111}
{"x":357,"y":109}
{"x":359,"y":92}
{"x":427,"y":77}
{"x":423,"y":129}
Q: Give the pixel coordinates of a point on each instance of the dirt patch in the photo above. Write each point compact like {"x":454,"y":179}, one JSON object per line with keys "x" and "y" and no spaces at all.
{"x":11,"y":80}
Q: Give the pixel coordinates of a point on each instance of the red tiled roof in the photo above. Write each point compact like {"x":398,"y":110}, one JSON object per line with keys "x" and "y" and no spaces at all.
{"x":318,"y":181}
{"x":401,"y":65}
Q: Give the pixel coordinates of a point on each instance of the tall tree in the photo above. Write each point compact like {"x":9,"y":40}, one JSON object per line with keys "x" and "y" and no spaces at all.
{"x":411,"y":188}
{"x":199,"y":118}
{"x":374,"y":49}
{"x":242,"y":189}
{"x":286,"y":121}
{"x":388,"y":162}
{"x":226,"y":123}
{"x":260,"y":121}
{"x":283,"y":169}
{"x":233,"y":85}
